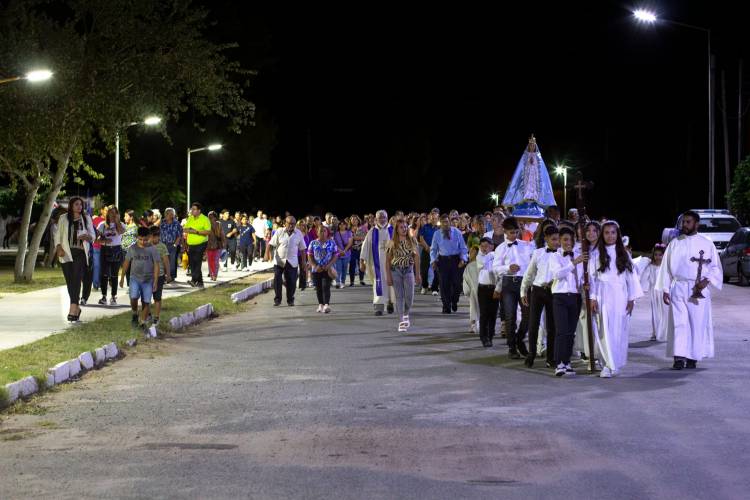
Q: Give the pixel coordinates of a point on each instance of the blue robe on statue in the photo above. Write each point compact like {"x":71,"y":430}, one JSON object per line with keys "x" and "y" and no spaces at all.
{"x":530,"y":189}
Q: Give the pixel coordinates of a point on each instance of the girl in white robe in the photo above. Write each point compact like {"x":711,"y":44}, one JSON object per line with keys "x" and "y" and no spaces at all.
{"x":614,"y":288}
{"x":648,"y":271}
{"x":471,"y":286}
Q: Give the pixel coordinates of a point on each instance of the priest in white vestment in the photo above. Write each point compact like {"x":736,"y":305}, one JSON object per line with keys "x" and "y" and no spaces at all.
{"x":690,"y":331}
{"x":373,"y":258}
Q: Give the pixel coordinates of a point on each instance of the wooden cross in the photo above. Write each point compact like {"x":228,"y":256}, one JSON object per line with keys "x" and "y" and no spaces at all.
{"x":700,"y":260}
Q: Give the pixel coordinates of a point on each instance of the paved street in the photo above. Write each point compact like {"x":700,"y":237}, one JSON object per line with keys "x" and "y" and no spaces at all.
{"x":286,"y":403}
{"x":34,"y":315}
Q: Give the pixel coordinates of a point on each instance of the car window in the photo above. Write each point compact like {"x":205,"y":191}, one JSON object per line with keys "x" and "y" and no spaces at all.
{"x":737,"y":238}
{"x":719,"y":225}
{"x":747,"y":237}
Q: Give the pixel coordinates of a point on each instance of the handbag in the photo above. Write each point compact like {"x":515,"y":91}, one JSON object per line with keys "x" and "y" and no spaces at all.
{"x":332,"y":273}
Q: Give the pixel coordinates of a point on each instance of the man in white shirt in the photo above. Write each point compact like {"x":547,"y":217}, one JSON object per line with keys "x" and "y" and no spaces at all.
{"x":510,"y":263}
{"x":488,"y":304}
{"x":536,"y":292}
{"x":286,"y":247}
{"x":259,"y":224}
{"x":567,"y":268}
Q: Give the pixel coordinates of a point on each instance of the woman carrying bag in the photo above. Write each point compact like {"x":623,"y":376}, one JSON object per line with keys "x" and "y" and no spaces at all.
{"x":75,"y":233}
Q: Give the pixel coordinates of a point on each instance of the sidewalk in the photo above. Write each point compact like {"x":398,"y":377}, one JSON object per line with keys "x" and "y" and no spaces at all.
{"x":32,"y":316}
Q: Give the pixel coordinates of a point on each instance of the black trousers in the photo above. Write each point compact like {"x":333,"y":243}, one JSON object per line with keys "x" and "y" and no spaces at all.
{"x":88,"y":278}
{"x":511,"y":301}
{"x":566,"y":307}
{"x":322,"y":281}
{"x":541,"y":300}
{"x":354,"y":266}
{"x":488,"y":307}
{"x":280,"y":274}
{"x":246,"y":255}
{"x":110,"y":269}
{"x":195,"y":259}
{"x":260,"y":249}
{"x":232,"y":249}
{"x":450,"y":279}
{"x":424,"y":269}
{"x":73,"y":273}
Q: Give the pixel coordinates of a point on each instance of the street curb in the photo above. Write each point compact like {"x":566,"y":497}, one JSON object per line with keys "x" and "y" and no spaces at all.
{"x":86,"y":361}
{"x":252,"y":291}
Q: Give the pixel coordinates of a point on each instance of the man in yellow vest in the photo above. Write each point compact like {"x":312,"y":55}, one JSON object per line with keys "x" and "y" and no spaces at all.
{"x":197,"y":227}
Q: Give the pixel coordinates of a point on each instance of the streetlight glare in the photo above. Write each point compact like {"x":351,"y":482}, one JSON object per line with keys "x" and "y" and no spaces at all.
{"x":645,"y":16}
{"x":39,"y":75}
{"x":559,"y":170}
{"x":214,"y":147}
{"x":152,"y":120}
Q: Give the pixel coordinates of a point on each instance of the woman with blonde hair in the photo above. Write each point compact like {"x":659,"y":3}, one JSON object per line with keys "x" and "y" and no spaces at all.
{"x":402,"y":270}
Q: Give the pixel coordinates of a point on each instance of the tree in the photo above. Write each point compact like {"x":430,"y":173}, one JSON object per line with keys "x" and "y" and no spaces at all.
{"x":114,"y":63}
{"x":739,"y":194}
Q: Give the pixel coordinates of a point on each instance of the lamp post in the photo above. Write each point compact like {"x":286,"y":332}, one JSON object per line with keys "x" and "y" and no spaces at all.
{"x":563,"y":170}
{"x":648,"y":17}
{"x":39,"y":75}
{"x":212,"y":147}
{"x":149,"y":121}
{"x":496,"y":198}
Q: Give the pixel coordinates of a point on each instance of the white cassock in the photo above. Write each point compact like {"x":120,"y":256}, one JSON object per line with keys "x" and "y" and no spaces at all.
{"x":690,"y":330}
{"x":581,"y":342}
{"x":612,"y":291}
{"x":647,"y":274}
{"x":471,"y":285}
{"x":374,"y":254}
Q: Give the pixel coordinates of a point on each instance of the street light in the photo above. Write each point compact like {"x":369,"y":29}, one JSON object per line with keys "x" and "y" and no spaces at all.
{"x":39,"y":75}
{"x":649,"y":17}
{"x":149,"y":121}
{"x":496,"y":198}
{"x":563,"y":170}
{"x":210,"y":147}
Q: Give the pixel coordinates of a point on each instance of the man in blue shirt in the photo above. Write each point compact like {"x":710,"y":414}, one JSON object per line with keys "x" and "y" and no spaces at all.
{"x":425,"y":240}
{"x":448,"y":254}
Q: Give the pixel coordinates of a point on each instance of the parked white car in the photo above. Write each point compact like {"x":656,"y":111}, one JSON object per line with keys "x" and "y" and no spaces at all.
{"x":717,"y":225}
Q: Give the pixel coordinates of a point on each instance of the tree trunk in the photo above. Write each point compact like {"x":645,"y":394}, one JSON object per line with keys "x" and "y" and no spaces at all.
{"x":28,"y":206}
{"x":41,"y":226}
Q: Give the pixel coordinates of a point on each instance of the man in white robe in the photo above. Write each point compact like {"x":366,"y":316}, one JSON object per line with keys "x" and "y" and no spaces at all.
{"x":690,"y":331}
{"x":373,"y":258}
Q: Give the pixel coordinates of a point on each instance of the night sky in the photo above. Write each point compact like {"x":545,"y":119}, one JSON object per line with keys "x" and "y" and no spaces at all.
{"x":363,"y":108}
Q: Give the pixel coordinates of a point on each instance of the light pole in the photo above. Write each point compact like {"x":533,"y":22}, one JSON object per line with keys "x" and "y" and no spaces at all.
{"x":563,"y":170}
{"x":496,"y":198}
{"x":39,"y":75}
{"x":212,"y":147}
{"x":649,"y":17}
{"x":150,"y":121}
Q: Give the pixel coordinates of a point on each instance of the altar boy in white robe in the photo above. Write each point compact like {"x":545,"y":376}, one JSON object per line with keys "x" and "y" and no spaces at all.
{"x":614,"y":288}
{"x":373,"y":258}
{"x":690,"y":264}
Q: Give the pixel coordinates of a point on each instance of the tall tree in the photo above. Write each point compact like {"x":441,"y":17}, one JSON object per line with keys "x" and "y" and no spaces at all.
{"x":114,"y":62}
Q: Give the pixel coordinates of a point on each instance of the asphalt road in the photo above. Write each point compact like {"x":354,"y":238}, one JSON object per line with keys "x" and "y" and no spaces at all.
{"x":286,"y":403}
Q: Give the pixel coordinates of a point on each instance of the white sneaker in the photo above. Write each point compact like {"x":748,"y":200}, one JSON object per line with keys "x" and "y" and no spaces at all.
{"x":326,"y":309}
{"x":424,"y":291}
{"x":569,"y":371}
{"x":473,"y":328}
{"x":113,"y":301}
{"x":606,"y":373}
{"x":320,"y":308}
{"x":560,"y":370}
{"x":405,"y":321}
{"x":435,"y":294}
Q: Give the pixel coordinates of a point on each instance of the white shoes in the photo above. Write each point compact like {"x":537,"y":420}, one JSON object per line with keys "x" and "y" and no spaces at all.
{"x":405,"y":324}
{"x":320,"y":308}
{"x":606,"y":373}
{"x":424,"y":291}
{"x":326,"y":309}
{"x":435,"y":294}
{"x":569,"y":371}
{"x":560,"y":370}
{"x":473,"y":328}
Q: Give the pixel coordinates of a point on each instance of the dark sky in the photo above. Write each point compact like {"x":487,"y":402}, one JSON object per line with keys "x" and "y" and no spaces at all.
{"x":433,"y":107}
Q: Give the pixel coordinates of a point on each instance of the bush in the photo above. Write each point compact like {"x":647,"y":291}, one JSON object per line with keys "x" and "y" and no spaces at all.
{"x":739,"y":194}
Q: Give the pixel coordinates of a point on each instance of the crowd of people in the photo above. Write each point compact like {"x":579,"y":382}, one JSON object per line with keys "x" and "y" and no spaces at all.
{"x":550,"y":280}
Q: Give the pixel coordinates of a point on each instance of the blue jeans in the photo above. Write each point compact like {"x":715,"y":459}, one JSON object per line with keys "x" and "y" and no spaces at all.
{"x":354,"y":266}
{"x":342,"y":268}
{"x":141,"y":290}
{"x":97,"y":254}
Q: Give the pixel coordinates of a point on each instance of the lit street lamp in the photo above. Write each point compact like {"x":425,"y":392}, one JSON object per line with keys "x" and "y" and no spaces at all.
{"x":150,"y":121}
{"x":645,"y":16}
{"x":211,"y":147}
{"x":496,"y":198}
{"x":39,"y":75}
{"x":563,"y":170}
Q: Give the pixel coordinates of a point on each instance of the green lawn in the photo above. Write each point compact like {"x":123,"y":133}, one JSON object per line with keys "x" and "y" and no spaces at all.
{"x":43,"y":278}
{"x":35,"y":358}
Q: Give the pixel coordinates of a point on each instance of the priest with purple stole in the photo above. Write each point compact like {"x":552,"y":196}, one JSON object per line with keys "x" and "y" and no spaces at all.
{"x":373,"y":258}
